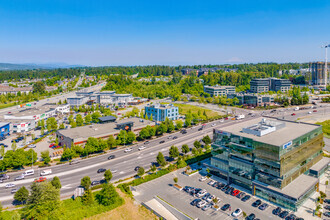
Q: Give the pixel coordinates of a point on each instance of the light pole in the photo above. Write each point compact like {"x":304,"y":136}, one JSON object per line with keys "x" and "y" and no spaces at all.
{"x":326,"y":65}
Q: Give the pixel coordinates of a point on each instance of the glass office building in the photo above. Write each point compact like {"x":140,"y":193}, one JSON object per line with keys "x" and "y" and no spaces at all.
{"x":269,"y":157}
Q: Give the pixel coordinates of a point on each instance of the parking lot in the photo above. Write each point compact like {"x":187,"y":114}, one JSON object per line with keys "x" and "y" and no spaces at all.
{"x":181,"y":200}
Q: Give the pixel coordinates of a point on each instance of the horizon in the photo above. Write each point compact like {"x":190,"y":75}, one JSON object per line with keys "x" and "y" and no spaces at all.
{"x":172,"y":33}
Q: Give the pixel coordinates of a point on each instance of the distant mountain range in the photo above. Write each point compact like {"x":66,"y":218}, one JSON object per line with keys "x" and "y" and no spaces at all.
{"x":28,"y":66}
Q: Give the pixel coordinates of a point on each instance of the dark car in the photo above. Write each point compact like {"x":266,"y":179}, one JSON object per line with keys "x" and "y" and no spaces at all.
{"x":256,"y":203}
{"x":327,"y":207}
{"x":327,"y":201}
{"x":111,"y":157}
{"x":291,"y":217}
{"x":147,"y":142}
{"x":277,"y":211}
{"x":225,"y":207}
{"x":161,"y":142}
{"x":251,"y":217}
{"x":101,"y":170}
{"x":96,"y":182}
{"x":240,"y":195}
{"x":299,"y":219}
{"x":136,"y":168}
{"x":246,"y":198}
{"x":327,"y":214}
{"x":225,"y":188}
{"x":283,"y":214}
{"x":195,"y":201}
{"x":175,"y":137}
{"x":263,"y":206}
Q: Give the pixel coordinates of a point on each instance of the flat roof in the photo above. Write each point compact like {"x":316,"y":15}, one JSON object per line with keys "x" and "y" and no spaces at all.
{"x":107,"y":118}
{"x":291,"y":131}
{"x":297,"y":188}
{"x":100,"y":130}
{"x":3,"y":124}
{"x":35,"y":110}
{"x":321,"y":164}
{"x":219,"y":87}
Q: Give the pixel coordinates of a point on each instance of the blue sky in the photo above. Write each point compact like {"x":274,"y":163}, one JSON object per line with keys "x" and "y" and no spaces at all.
{"x":126,"y":32}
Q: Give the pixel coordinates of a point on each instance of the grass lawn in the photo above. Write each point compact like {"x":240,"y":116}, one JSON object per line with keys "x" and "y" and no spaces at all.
{"x":325,"y":128}
{"x":7,"y":105}
{"x":75,"y":210}
{"x":127,"y":211}
{"x":184,"y":109}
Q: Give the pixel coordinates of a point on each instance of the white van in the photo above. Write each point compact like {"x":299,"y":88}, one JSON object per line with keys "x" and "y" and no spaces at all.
{"x":46,"y":172}
{"x":28,"y":172}
{"x":296,"y":108}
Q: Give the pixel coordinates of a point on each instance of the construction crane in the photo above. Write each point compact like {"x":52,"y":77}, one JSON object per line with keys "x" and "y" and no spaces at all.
{"x":326,"y":64}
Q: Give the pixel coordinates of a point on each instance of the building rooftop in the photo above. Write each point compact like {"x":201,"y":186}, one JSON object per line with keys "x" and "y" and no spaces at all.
{"x":121,"y":95}
{"x":107,"y":118}
{"x":3,"y":124}
{"x":219,"y":87}
{"x":161,"y":106}
{"x":297,"y":188}
{"x":291,"y":131}
{"x":102,"y":130}
{"x":321,"y":164}
{"x":35,"y":110}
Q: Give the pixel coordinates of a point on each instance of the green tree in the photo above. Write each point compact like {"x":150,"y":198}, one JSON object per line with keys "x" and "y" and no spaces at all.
{"x":70,"y":119}
{"x":160,"y":159}
{"x":108,"y":195}
{"x":45,"y":156}
{"x":108,"y":175}
{"x":88,"y":119}
{"x":88,"y":197}
{"x":68,"y":154}
{"x":207,"y":140}
{"x":51,"y":124}
{"x":79,"y":120}
{"x":140,"y":171}
{"x":195,"y":151}
{"x":2,"y":151}
{"x":22,"y":195}
{"x":95,"y":116}
{"x":181,"y":163}
{"x":197,"y":144}
{"x":174,"y":152}
{"x":39,"y":87}
{"x":56,"y":182}
{"x":185,"y":149}
{"x":151,"y":118}
{"x":153,"y":168}
{"x":179,"y":124}
{"x":86,"y":182}
{"x":175,"y":179}
{"x":111,"y":142}
{"x":73,"y":124}
{"x":62,"y":126}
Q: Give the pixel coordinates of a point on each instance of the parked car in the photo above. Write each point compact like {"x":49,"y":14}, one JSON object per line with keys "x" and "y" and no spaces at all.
{"x":40,"y":179}
{"x":263,"y":206}
{"x":252,"y":216}
{"x":237,"y":212}
{"x":256,"y":203}
{"x":96,"y":182}
{"x":291,"y":217}
{"x":20,"y":177}
{"x":201,"y":204}
{"x":195,"y":202}
{"x":32,"y":146}
{"x":111,"y":157}
{"x":327,"y":207}
{"x":240,"y":195}
{"x":201,"y":193}
{"x":203,"y":178}
{"x":225,"y":207}
{"x":283,"y":214}
{"x":207,"y":206}
{"x":327,"y":201}
{"x":246,"y":198}
{"x":211,"y":183}
{"x":235,"y":192}
{"x":277,"y":211}
{"x":10,"y":185}
{"x":101,"y":170}
{"x":326,"y":214}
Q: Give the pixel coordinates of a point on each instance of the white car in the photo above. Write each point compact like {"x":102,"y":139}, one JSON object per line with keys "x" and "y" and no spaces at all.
{"x":201,"y":193}
{"x":10,"y":185}
{"x":237,"y":212}
{"x":46,"y":172}
{"x":201,"y":204}
{"x":128,"y":150}
{"x":309,"y":112}
{"x":32,"y":146}
{"x":213,"y":125}
{"x":203,"y":178}
{"x":211,"y":183}
{"x":142,"y":147}
{"x":222,"y":120}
